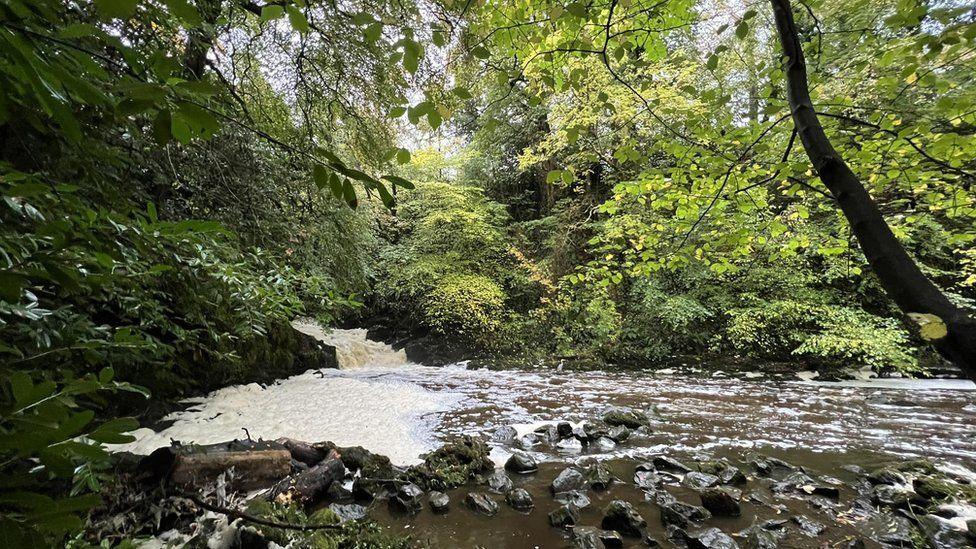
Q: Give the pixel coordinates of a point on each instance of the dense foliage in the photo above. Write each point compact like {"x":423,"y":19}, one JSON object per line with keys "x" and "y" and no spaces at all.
{"x":614,"y":181}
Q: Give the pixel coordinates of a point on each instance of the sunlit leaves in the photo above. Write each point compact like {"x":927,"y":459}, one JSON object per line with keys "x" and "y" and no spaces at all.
{"x":297,"y":19}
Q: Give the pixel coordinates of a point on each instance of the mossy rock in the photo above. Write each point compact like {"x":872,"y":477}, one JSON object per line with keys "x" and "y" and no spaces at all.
{"x":452,"y":465}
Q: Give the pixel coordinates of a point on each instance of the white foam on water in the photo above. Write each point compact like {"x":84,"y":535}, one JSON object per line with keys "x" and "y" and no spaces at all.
{"x":360,"y":407}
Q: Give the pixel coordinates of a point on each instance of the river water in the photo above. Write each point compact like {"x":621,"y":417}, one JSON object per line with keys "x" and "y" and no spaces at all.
{"x":381,"y":401}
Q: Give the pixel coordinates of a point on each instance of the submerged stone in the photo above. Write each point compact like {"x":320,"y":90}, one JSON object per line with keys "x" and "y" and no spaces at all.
{"x":722,"y":502}
{"x":598,"y":476}
{"x":699,"y":481}
{"x":712,"y":538}
{"x":349,"y":511}
{"x":521,"y":463}
{"x":499,"y":483}
{"x":569,"y":479}
{"x":481,"y":503}
{"x":407,"y":499}
{"x":565,"y":516}
{"x":519,"y":499}
{"x":808,"y":526}
{"x":439,"y":501}
{"x":944,"y":534}
{"x":586,"y":537}
{"x":622,"y":517}
{"x":670,"y":465}
{"x":618,"y":433}
{"x":574,"y":497}
{"x":626,"y":417}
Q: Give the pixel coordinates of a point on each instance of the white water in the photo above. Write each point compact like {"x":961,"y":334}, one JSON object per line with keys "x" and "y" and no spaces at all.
{"x":355,"y":406}
{"x":382,"y":402}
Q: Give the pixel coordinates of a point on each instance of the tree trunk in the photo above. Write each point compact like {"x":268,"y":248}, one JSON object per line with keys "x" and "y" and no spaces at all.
{"x":899,"y":275}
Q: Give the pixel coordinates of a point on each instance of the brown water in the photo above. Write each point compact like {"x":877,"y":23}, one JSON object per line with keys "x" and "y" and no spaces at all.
{"x":822,"y":427}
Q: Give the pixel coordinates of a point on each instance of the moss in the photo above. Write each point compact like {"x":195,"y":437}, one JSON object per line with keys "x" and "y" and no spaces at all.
{"x":452,"y":465}
{"x":939,"y":489}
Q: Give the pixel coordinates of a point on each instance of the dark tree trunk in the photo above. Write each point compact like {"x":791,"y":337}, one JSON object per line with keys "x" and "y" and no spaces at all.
{"x":901,"y":278}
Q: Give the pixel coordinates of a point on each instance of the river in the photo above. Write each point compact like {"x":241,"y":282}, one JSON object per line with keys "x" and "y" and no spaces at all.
{"x":382,"y":402}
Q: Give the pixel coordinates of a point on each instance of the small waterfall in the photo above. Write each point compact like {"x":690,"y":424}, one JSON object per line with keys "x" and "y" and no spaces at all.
{"x":353,"y":349}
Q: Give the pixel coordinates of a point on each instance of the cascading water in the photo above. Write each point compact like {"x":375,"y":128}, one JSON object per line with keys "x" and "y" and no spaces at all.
{"x":353,"y":349}
{"x":360,"y":404}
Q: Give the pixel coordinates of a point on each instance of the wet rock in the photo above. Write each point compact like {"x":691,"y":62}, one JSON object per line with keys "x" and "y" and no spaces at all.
{"x":598,"y":476}
{"x":935,"y":489}
{"x":887,"y":495}
{"x":594,"y":431}
{"x":499,"y":483}
{"x":712,"y":538}
{"x":767,"y":466}
{"x":250,"y":538}
{"x":678,"y":513}
{"x":349,"y":511}
{"x":564,"y":429}
{"x":722,"y":502}
{"x":529,"y":441}
{"x":664,"y":463}
{"x":548,"y":432}
{"x":887,"y":529}
{"x":338,"y":492}
{"x":481,"y":503}
{"x":800,"y":483}
{"x":521,"y":463}
{"x":439,"y":501}
{"x":365,"y":489}
{"x":573,"y":445}
{"x":519,"y":499}
{"x":622,"y":517}
{"x":605,"y":444}
{"x":808,"y":526}
{"x":506,"y":434}
{"x":626,"y":417}
{"x":565,"y":516}
{"x":568,"y":479}
{"x":731,"y":475}
{"x":357,"y":458}
{"x":407,"y":499}
{"x":586,"y":537}
{"x":757,"y":537}
{"x":618,"y":433}
{"x":647,"y":479}
{"x":575,"y":497}
{"x":943,"y":534}
{"x":699,"y":481}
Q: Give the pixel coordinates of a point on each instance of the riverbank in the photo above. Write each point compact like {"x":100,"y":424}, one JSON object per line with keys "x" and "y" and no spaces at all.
{"x":458,"y":496}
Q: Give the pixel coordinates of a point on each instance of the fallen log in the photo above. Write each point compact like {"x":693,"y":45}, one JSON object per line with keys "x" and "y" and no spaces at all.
{"x":309,"y":485}
{"x":256,"y":464}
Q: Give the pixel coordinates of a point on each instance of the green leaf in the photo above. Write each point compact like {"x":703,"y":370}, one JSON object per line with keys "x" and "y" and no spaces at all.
{"x":480,"y":52}
{"x":399,"y":181}
{"x":403,"y":156}
{"x":297,"y":19}
{"x":161,"y":127}
{"x":712,"y":62}
{"x":373,"y":32}
{"x":385,"y":196}
{"x":184,"y":11}
{"x":434,"y":119}
{"x":118,"y":9}
{"x":742,"y":29}
{"x":271,"y":12}
{"x":349,"y":194}
{"x":336,"y":185}
{"x":461,"y":92}
{"x":321,"y":176}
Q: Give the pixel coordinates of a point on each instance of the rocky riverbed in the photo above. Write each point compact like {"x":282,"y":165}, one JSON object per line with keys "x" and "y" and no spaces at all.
{"x":458,"y":497}
{"x":702,"y":460}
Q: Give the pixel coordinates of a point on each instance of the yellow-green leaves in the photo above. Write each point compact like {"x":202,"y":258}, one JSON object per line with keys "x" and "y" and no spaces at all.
{"x":191,"y":121}
{"x":271,"y":12}
{"x":931,"y":327}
